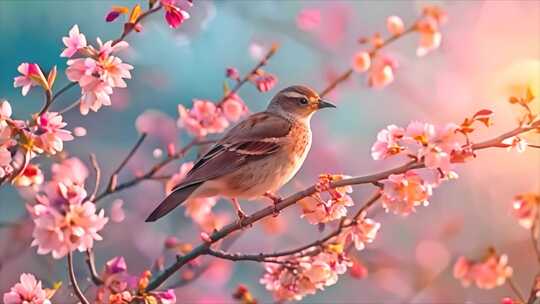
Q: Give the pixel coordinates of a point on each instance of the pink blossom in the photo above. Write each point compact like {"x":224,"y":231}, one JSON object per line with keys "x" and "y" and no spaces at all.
{"x":98,"y":74}
{"x":117,"y":212}
{"x":526,"y":208}
{"x":381,"y":72}
{"x":308,"y":19}
{"x":5,"y":110}
{"x":166,"y":297}
{"x":71,"y":171}
{"x":387,"y":143}
{"x":234,"y":108}
{"x":490,"y":272}
{"x":5,"y":162}
{"x":318,"y":210}
{"x":31,"y":175}
{"x":361,"y":62}
{"x":63,"y":221}
{"x":516,"y":142}
{"x":403,"y":192}
{"x":31,"y":76}
{"x":310,"y":274}
{"x":265,"y":82}
{"x":52,"y":135}
{"x":430,"y":37}
{"x":27,"y":291}
{"x":395,"y":25}
{"x":173,"y":13}
{"x":73,"y":42}
{"x":232,"y":73}
{"x":362,"y":231}
{"x":203,"y":119}
{"x":116,"y":265}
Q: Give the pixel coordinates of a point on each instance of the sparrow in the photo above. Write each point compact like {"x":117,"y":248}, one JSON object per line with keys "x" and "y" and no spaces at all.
{"x":254,"y":158}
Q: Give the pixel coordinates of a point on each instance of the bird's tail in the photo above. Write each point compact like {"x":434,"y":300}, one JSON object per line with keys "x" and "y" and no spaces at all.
{"x":177,"y":197}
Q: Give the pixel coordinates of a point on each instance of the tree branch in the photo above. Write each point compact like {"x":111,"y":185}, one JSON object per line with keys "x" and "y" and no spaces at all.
{"x":73,"y":280}
{"x":204,"y":248}
{"x":114,"y":175}
{"x":90,"y":262}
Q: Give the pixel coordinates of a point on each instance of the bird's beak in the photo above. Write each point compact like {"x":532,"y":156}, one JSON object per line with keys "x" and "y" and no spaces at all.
{"x":325,"y":104}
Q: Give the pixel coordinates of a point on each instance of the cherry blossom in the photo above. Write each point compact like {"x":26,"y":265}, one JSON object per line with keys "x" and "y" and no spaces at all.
{"x":403,"y":192}
{"x":30,"y":176}
{"x":27,"y":291}
{"x":234,"y":108}
{"x":203,"y":119}
{"x":428,"y":27}
{"x":381,"y":72}
{"x":308,"y":19}
{"x":516,"y":142}
{"x":51,"y":133}
{"x":73,"y":42}
{"x":31,"y":76}
{"x":489,"y":273}
{"x":361,"y":62}
{"x":362,"y":231}
{"x":526,"y":207}
{"x":98,"y":73}
{"x":395,"y":25}
{"x":70,"y":171}
{"x":317,"y":210}
{"x":387,"y":143}
{"x":265,"y":82}
{"x":174,"y":14}
{"x":63,"y":221}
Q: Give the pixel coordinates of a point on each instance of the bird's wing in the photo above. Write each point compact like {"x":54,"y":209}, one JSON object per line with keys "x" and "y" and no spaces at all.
{"x":257,"y":137}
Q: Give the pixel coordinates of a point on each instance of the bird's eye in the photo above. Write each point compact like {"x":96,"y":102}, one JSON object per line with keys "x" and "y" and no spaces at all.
{"x":304,"y":101}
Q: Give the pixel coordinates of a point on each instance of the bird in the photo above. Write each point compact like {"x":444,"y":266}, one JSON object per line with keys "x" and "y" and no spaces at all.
{"x":254,"y":158}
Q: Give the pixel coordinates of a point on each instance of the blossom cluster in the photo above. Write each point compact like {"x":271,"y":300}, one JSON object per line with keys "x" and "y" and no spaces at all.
{"x":120,"y":287}
{"x":206,"y":117}
{"x":492,"y":271}
{"x":28,"y":291}
{"x":44,"y":133}
{"x":96,"y":69}
{"x":175,"y":13}
{"x":65,"y":220}
{"x":381,"y":67}
{"x":318,"y":210}
{"x":526,"y":209}
{"x":293,"y":277}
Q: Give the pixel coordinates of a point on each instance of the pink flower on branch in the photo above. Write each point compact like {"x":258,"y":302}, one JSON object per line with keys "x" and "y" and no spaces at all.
{"x":31,"y":76}
{"x":74,"y":42}
{"x":203,"y":119}
{"x":27,"y":291}
{"x":361,"y":232}
{"x":317,"y":210}
{"x":403,"y":192}
{"x":526,"y":208}
{"x":174,"y":13}
{"x":490,"y":272}
{"x":50,"y":133}
{"x":63,"y":221}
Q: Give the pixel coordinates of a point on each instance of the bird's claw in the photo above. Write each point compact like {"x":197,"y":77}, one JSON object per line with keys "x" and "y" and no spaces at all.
{"x":242,"y":219}
{"x":276,"y":200}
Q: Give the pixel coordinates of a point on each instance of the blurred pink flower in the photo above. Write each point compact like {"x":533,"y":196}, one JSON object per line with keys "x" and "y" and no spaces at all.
{"x":516,"y":142}
{"x":232,"y":73}
{"x":51,"y":133}
{"x":430,"y":37}
{"x":308,"y":19}
{"x":234,"y":108}
{"x":5,"y":162}
{"x":27,"y":291}
{"x":403,"y":192}
{"x":173,"y":13}
{"x":71,"y":171}
{"x":117,"y":212}
{"x":31,"y":76}
{"x":31,"y":175}
{"x":73,"y":42}
{"x":115,"y":265}
{"x":361,"y":62}
{"x":526,"y":208}
{"x":395,"y":25}
{"x":387,"y":142}
{"x":381,"y":72}
{"x":203,"y":119}
{"x":489,"y":273}
{"x":265,"y":82}
{"x":363,"y":231}
{"x":63,"y":221}
{"x":5,"y":110}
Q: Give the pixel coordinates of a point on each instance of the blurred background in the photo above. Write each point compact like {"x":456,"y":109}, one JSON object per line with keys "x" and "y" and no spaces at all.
{"x":490,"y":50}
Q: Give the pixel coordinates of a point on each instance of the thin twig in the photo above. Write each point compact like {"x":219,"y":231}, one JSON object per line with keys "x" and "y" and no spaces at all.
{"x":203,"y":248}
{"x":129,"y":29}
{"x":97,"y":171}
{"x":114,"y":176}
{"x":90,"y":262}
{"x":73,"y":280}
{"x":515,"y":289}
{"x":48,"y":102}
{"x":533,"y":295}
{"x":372,"y":53}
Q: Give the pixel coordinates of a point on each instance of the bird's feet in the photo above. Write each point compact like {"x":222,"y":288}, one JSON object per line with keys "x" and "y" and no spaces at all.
{"x":276,"y":200}
{"x":240,"y":213}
